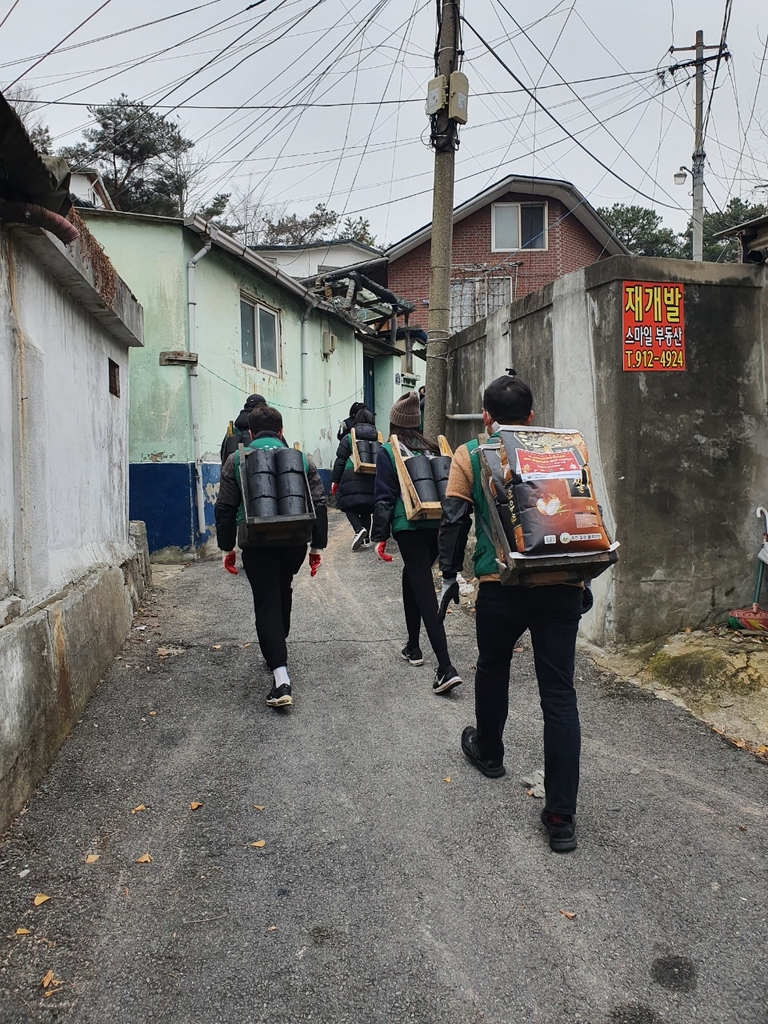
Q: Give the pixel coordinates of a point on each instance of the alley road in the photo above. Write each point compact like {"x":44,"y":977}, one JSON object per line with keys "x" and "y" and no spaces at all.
{"x":395,"y":883}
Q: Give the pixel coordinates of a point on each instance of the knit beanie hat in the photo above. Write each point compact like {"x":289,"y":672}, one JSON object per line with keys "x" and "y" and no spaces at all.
{"x":406,"y":411}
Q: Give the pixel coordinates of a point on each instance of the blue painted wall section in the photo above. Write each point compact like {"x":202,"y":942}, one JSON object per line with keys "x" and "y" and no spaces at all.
{"x":162,"y":495}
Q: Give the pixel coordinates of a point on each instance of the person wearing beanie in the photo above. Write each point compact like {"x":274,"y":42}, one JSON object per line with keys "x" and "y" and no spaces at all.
{"x":239,"y":430}
{"x":417,"y":541}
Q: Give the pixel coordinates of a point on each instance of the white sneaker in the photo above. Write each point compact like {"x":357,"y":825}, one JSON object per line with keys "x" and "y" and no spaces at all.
{"x":360,"y":538}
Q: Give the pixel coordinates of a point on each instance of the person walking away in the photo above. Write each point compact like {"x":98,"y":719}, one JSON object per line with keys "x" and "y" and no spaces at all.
{"x":417,"y":541}
{"x":347,"y":424}
{"x":240,"y":430}
{"x":551,"y":612}
{"x":269,"y":565}
{"x":355,"y":490}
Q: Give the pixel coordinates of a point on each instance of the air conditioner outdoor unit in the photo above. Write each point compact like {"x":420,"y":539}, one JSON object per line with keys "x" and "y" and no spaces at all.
{"x":329,"y":344}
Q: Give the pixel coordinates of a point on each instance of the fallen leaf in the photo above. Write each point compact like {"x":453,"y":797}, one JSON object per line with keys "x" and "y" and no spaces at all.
{"x":246,"y":645}
{"x":216,"y":647}
{"x":92,"y":858}
{"x":50,"y":992}
{"x":272,"y":928}
{"x":40,"y":898}
{"x":163,"y":652}
{"x":47,"y":979}
{"x":568,"y":913}
{"x":26,"y":931}
{"x":259,"y":843}
{"x":258,"y":807}
{"x":136,"y":810}
{"x":447,"y":778}
{"x":153,"y":712}
{"x":194,"y":804}
{"x":739,"y":744}
{"x":144,"y":859}
{"x":519,"y":650}
{"x":529,"y":792}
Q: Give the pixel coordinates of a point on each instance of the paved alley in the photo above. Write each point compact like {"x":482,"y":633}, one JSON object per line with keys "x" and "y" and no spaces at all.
{"x":345,"y":864}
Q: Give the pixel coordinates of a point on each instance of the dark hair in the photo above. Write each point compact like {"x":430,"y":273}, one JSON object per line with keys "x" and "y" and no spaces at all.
{"x":508,"y":399}
{"x":355,"y":408}
{"x":364,"y":416}
{"x":265,"y":417}
{"x":413,"y":439}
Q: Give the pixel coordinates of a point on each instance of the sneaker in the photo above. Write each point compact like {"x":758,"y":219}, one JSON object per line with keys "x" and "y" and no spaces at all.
{"x":412,"y":655}
{"x":446,"y":679}
{"x":360,"y":538}
{"x":493,"y":769}
{"x":367,"y":544}
{"x":280,"y":696}
{"x":562,"y":831}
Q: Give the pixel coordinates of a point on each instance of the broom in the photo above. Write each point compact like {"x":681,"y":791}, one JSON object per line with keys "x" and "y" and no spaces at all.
{"x":755,"y":618}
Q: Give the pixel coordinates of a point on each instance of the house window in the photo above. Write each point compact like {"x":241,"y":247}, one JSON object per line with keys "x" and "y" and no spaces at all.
{"x":114,"y":378}
{"x":474,"y":298}
{"x":259,"y":337}
{"x":518,"y":226}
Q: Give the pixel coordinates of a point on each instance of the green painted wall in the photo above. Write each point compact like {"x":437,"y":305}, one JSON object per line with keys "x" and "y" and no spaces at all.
{"x":151,"y":257}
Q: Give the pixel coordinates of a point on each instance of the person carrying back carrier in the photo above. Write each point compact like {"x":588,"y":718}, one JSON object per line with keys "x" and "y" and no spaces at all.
{"x":355,"y":490}
{"x":417,"y":541}
{"x":269,"y":565}
{"x":551,"y":611}
{"x":240,"y":431}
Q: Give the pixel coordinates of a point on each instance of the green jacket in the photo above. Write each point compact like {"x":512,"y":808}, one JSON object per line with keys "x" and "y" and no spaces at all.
{"x":485,"y":553}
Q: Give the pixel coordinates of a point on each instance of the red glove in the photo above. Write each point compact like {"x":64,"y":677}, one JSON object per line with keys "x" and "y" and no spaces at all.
{"x":334,"y":488}
{"x":381,"y":551}
{"x":314,"y":563}
{"x":229,"y":562}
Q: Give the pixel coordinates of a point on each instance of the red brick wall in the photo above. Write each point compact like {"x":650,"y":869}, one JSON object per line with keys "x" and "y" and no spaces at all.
{"x":570,"y":247}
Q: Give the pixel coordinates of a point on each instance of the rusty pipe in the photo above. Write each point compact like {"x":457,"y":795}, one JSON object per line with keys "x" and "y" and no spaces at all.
{"x":39,"y":217}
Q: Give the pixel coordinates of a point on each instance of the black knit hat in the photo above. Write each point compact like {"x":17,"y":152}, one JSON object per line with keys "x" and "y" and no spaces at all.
{"x":406,"y":412}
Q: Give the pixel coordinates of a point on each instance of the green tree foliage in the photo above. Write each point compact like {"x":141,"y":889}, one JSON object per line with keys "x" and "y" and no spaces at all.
{"x":721,"y":250}
{"x":320,"y":225}
{"x":144,"y":159}
{"x":640,"y":230}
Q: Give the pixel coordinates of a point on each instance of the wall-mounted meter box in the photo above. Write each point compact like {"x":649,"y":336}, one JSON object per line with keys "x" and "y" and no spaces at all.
{"x":437,"y":95}
{"x":457,"y":103}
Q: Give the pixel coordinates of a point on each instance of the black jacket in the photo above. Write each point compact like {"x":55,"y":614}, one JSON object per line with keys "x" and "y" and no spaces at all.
{"x":356,"y":490}
{"x":230,"y":499}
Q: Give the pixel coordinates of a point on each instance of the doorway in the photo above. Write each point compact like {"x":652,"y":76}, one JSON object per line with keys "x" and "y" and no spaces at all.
{"x":369,"y":390}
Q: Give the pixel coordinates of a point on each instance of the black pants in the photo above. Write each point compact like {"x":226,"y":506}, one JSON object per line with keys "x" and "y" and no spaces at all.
{"x":360,"y":519}
{"x":270,"y":572}
{"x":419,"y":551}
{"x":552,"y":615}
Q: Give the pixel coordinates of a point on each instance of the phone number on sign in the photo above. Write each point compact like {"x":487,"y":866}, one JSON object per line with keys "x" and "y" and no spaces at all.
{"x":646,"y":359}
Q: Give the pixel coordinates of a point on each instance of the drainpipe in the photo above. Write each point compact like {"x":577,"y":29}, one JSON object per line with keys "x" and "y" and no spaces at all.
{"x":192,"y":370}
{"x":305,"y":355}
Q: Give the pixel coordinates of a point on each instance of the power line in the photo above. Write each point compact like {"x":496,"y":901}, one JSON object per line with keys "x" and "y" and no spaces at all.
{"x":54,"y":48}
{"x":722,"y":52}
{"x":13,"y":7}
{"x":562,"y":126}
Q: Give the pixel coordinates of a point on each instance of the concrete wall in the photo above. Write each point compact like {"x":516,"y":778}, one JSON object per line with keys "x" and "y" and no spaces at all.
{"x":69,"y":569}
{"x":681,"y":457}
{"x":569,"y":247}
{"x":152,"y":256}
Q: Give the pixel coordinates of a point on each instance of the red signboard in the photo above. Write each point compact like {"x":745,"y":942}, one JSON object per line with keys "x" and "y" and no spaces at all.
{"x":654,"y":326}
{"x":548,"y":465}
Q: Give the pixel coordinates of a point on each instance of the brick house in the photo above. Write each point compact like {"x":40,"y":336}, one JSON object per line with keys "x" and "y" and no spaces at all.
{"x":508,"y":240}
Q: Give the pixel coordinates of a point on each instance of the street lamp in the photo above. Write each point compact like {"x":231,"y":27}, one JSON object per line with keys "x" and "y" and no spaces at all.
{"x":681,"y":175}
{"x":697,"y":174}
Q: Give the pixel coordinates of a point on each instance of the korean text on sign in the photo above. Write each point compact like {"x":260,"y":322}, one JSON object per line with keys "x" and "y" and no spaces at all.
{"x":653,"y":326}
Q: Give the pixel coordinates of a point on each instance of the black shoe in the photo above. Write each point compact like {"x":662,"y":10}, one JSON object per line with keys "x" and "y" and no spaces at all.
{"x":562,"y":831}
{"x":446,"y":679}
{"x":280,"y":696}
{"x":412,"y":655}
{"x":493,"y":769}
{"x":360,"y":538}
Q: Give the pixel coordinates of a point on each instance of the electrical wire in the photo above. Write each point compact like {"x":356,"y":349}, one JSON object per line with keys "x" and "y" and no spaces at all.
{"x":720,"y":54}
{"x":55,"y":48}
{"x":561,"y":125}
{"x":13,"y":7}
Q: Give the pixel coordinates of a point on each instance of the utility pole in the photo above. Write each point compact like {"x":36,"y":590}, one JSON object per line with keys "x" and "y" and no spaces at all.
{"x":698,"y":159}
{"x":447,"y":107}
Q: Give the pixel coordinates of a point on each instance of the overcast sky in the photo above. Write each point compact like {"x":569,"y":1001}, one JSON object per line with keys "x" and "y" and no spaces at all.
{"x":370,"y":158}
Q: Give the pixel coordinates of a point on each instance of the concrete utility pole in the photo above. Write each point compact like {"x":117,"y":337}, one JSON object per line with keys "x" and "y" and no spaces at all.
{"x":699,"y":157}
{"x":445,"y":141}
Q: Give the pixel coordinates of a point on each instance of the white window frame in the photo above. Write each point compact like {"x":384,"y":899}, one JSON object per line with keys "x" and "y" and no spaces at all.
{"x":256,"y":305}
{"x":520,"y":248}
